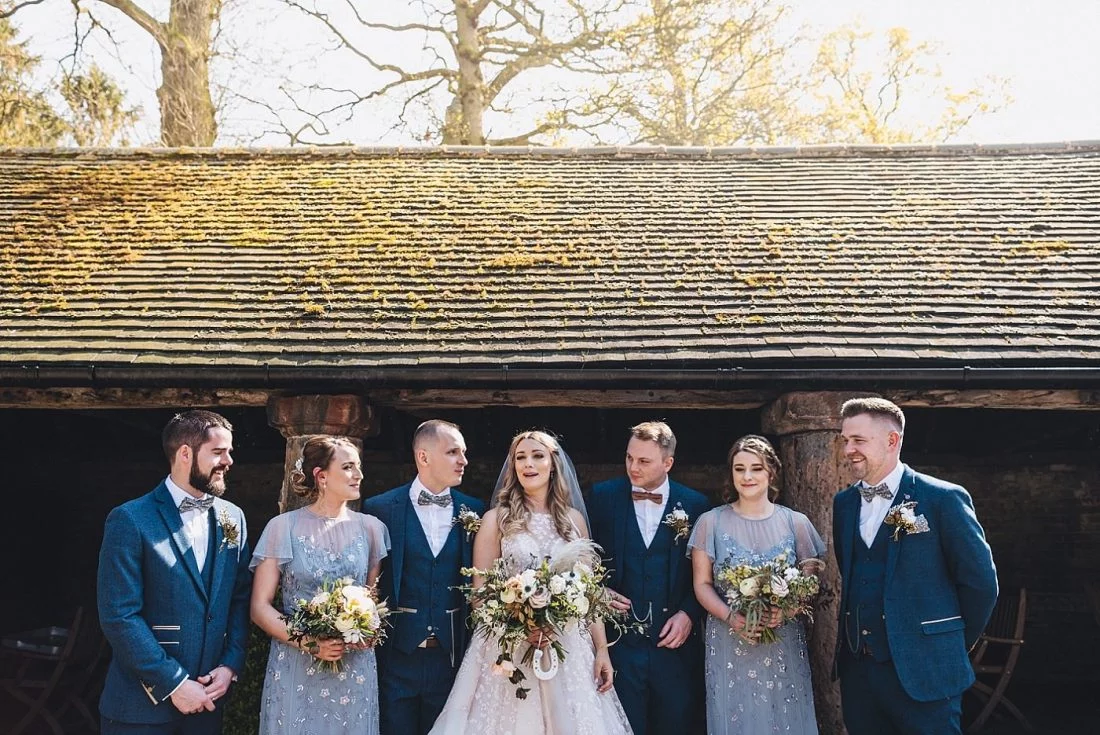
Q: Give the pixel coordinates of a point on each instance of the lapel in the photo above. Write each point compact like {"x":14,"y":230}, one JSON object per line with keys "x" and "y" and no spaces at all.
{"x":906,"y":492}
{"x":217,"y":555}
{"x":675,"y":548}
{"x":171,"y":517}
{"x":464,"y":546}
{"x":849,"y":530}
{"x":398,"y":516}
{"x":624,"y":516}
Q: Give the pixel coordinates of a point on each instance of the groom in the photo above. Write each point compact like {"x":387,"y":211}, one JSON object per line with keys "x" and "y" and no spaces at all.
{"x":658,"y":674}
{"x":417,"y":665}
{"x":918,"y":584}
{"x":174,"y":590}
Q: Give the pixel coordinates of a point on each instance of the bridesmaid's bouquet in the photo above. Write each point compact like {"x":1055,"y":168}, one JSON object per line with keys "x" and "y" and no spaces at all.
{"x":540,"y":601}
{"x":340,"y":610}
{"x":754,"y":591}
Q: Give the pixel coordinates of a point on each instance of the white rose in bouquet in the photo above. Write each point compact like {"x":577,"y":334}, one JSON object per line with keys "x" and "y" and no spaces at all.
{"x":790,"y":573}
{"x":557,"y":584}
{"x":750,"y":587}
{"x":319,"y":600}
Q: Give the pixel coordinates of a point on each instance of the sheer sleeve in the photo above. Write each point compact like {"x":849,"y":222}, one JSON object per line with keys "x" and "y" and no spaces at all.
{"x":378,"y":540}
{"x":807,"y":541}
{"x":702,"y":535}
{"x":274,"y":542}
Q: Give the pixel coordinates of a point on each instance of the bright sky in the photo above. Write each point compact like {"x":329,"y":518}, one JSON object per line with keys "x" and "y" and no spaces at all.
{"x":1048,"y":50}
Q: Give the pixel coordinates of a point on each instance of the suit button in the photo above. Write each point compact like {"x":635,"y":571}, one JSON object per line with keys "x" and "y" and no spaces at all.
{"x":865,"y":632}
{"x":429,"y":628}
{"x":210,"y":618}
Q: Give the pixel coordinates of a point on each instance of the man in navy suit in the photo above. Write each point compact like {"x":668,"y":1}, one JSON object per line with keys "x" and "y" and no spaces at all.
{"x":658,"y":674}
{"x":174,"y":591}
{"x":918,"y":584}
{"x":418,"y":661}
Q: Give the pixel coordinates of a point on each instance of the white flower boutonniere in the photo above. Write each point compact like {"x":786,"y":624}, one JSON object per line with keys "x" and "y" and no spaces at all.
{"x":680,"y":523}
{"x":905,"y":519}
{"x":231,"y":533}
{"x":469,"y":520}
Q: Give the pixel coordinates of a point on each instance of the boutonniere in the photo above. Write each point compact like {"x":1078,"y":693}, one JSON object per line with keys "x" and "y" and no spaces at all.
{"x":679,"y":522}
{"x":469,"y":520}
{"x":904,"y":518}
{"x":231,"y":533}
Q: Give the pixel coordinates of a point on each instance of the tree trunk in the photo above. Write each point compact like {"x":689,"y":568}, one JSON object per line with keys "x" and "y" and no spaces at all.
{"x":186,"y":108}
{"x":814,"y":469}
{"x":465,"y":115}
{"x":812,"y":473}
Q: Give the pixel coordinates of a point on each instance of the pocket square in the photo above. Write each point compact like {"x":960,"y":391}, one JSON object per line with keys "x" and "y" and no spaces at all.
{"x":920,"y":524}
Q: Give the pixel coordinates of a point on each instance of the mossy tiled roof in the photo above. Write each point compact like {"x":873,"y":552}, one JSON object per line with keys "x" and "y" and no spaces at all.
{"x":473,"y":257}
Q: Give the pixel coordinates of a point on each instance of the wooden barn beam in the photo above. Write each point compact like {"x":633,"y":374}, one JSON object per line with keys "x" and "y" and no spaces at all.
{"x":1031,"y":399}
{"x":413,"y":398}
{"x":103,"y":398}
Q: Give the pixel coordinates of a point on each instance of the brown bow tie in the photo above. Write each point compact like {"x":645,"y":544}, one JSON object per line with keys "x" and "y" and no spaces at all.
{"x":643,"y":495}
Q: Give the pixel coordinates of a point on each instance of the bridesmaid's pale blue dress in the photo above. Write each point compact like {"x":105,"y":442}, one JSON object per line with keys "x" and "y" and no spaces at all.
{"x":299,"y":696}
{"x":753,"y":689}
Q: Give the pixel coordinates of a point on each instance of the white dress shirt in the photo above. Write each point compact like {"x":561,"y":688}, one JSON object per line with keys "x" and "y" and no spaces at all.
{"x":871,"y":514}
{"x":434,"y":519}
{"x":650,"y":514}
{"x":196,"y":524}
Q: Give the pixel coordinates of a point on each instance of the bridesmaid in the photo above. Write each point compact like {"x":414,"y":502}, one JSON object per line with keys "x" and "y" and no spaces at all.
{"x":753,"y":687}
{"x":299,"y":551}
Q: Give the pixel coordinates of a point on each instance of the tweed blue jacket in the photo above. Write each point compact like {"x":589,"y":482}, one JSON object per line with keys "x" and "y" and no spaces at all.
{"x":162,"y":622}
{"x":941,"y":584}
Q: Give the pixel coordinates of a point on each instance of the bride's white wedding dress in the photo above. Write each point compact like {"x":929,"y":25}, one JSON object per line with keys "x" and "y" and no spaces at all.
{"x":485,"y":703}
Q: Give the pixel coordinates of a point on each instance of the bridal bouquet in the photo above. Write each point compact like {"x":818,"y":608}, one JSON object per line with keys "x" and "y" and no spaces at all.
{"x":340,"y":610}
{"x":567,"y":588}
{"x":754,"y":591}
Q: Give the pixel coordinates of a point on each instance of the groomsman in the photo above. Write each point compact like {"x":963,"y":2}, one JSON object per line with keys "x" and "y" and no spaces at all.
{"x":417,"y":664}
{"x":918,"y":584}
{"x":174,"y":591}
{"x":658,"y":674}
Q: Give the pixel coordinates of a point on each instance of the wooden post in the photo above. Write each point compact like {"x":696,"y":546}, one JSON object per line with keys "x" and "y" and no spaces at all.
{"x":814,"y":469}
{"x":299,"y":417}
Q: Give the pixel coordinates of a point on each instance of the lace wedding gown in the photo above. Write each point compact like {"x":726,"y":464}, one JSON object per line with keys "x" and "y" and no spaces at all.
{"x":485,"y":703}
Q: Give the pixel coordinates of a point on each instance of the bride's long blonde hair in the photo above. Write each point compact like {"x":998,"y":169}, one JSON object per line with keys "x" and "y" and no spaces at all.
{"x":512,"y":511}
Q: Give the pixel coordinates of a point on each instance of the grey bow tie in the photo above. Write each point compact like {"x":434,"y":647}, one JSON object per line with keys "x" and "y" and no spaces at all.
{"x":427,"y":498}
{"x":882,"y":490}
{"x":204,"y":503}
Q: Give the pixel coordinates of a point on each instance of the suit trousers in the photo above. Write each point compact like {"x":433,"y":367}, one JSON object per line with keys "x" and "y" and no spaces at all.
{"x":875,"y":703}
{"x":412,"y":689}
{"x":203,"y":723}
{"x":657,"y":687}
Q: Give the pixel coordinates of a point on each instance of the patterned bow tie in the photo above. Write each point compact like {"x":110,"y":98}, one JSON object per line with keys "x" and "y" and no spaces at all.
{"x":205,"y":503}
{"x":882,"y":490}
{"x":643,"y":495}
{"x":426,"y":498}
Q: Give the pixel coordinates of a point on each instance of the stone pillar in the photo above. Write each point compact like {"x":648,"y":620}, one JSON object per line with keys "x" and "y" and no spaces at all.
{"x":814,"y":469}
{"x":299,"y":417}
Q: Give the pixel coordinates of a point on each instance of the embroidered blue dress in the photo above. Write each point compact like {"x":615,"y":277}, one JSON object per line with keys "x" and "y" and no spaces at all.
{"x":756,"y":688}
{"x":299,"y":696}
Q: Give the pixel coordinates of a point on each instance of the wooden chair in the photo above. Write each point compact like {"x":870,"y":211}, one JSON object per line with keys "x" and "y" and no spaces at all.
{"x":1003,"y":637}
{"x":43,"y":656}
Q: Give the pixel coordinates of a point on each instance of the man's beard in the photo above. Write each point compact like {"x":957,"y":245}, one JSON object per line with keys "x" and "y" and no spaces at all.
{"x":207,"y":483}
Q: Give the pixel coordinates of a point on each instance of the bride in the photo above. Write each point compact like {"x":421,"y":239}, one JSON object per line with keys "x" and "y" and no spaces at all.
{"x":537,"y":508}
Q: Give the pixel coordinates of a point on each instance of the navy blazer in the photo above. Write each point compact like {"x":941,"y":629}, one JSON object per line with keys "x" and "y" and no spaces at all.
{"x":611,"y":508}
{"x":392,"y":507}
{"x":940,"y":587}
{"x":162,"y":623}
